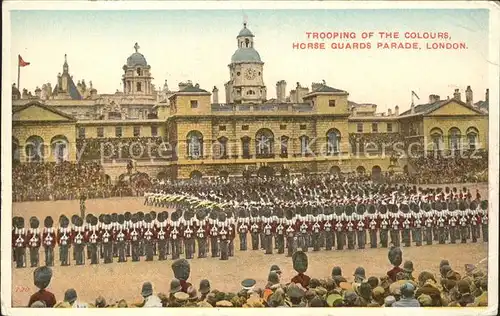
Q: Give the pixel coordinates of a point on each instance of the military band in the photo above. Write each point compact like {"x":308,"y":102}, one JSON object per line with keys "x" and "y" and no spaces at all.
{"x":412,"y":217}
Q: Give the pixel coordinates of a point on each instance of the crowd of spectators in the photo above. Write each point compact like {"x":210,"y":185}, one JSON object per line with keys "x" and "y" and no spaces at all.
{"x":122,"y":148}
{"x":398,"y":288}
{"x":442,"y":169}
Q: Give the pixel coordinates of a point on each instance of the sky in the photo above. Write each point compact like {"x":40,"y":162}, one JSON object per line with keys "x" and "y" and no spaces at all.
{"x":197,"y":45}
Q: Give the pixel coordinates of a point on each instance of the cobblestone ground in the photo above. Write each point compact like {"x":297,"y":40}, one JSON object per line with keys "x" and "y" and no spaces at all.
{"x":124,"y":280}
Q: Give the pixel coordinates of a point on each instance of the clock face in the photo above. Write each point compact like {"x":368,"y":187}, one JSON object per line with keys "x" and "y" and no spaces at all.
{"x":250,"y":73}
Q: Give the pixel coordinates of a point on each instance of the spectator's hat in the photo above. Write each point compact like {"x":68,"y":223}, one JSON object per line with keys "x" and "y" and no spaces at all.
{"x":334,"y":300}
{"x":350,"y":296}
{"x":204,"y":286}
{"x":273,"y":278}
{"x":407,"y":289}
{"x":48,"y":222}
{"x":321,"y":291}
{"x":345,"y":286}
{"x":395,"y":256}
{"x":193,"y":294}
{"x":463,"y":287}
{"x":336,"y":271}
{"x":425,"y":300}
{"x":122,"y":303}
{"x":181,"y":297}
{"x":469,"y":268}
{"x":38,"y":304}
{"x":42,"y":277}
{"x":453,"y":275}
{"x":300,"y":261}
{"x":364,"y":290}
{"x":147,"y":289}
{"x":100,"y":301}
{"x":70,"y":296}
{"x":275,"y":268}
{"x":224,"y":303}
{"x":175,"y":286}
{"x":389,"y":300}
{"x":248,"y":284}
{"x":314,"y":283}
{"x":34,"y":222}
{"x":408,"y":266}
{"x":360,"y":273}
{"x":378,"y":292}
{"x":294,"y":291}
{"x":203,"y":304}
{"x":181,"y":269}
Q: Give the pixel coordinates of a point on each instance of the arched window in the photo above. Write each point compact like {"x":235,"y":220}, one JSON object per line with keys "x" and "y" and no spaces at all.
{"x":139,"y":72}
{"x":264,"y":142}
{"x":250,"y":92}
{"x":247,"y":42}
{"x":304,"y":145}
{"x":360,"y":170}
{"x":472,"y":137}
{"x":59,"y":146}
{"x":196,"y":175}
{"x":139,"y":87}
{"x":284,"y":146}
{"x":437,"y":138}
{"x":245,"y":146}
{"x":454,"y":137}
{"x":333,"y":142}
{"x":34,"y":149}
{"x":220,"y":150}
{"x":194,"y":145}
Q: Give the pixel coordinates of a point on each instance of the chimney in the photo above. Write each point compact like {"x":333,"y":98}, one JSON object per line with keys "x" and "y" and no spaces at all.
{"x":487,"y":96}
{"x":396,"y":110}
{"x":457,"y":95}
{"x":433,"y":98}
{"x":215,"y":95}
{"x":281,"y":91}
{"x":197,"y":86}
{"x":468,"y":96}
{"x":38,"y":93}
{"x":389,"y":112}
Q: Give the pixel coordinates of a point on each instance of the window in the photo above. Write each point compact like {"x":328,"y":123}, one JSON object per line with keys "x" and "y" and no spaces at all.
{"x":139,"y":87}
{"x":195,"y":145}
{"x":118,"y":131}
{"x":389,"y":127}
{"x":331,"y":103}
{"x":81,"y":132}
{"x":250,"y":92}
{"x":154,"y":131}
{"x":221,"y":149}
{"x":304,"y":145}
{"x":100,"y":132}
{"x":374,"y":127}
{"x":360,"y":128}
{"x":139,"y":71}
{"x":282,"y":127}
{"x":244,"y":128}
{"x":472,"y":138}
{"x":194,"y":104}
{"x":137,"y":131}
{"x":222,"y":128}
{"x":303,"y":127}
{"x":245,"y":145}
{"x":264,"y":143}
{"x":333,"y":142}
{"x":284,"y":147}
{"x":454,"y":137}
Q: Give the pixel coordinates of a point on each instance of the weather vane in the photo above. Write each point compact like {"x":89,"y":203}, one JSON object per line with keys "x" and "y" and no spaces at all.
{"x":245,"y":20}
{"x":136,"y":46}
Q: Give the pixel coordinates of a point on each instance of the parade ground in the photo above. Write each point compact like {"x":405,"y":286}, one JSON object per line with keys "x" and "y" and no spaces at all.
{"x":124,"y":280}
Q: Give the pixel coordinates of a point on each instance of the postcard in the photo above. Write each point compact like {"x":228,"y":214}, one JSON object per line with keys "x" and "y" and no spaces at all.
{"x":215,"y":155}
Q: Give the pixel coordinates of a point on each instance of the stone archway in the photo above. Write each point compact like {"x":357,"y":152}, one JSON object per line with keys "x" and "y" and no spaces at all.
{"x":360,"y":170}
{"x":195,"y":175}
{"x":376,"y":171}
{"x":35,"y":149}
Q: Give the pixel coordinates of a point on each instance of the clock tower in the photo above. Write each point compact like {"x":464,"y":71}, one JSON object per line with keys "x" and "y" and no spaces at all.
{"x":246,"y":84}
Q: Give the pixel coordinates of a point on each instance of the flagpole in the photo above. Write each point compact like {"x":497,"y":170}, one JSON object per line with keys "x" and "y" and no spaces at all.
{"x":18,"y":74}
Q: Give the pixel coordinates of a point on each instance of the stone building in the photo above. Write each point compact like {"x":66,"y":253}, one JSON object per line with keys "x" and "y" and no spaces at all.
{"x":189,"y":133}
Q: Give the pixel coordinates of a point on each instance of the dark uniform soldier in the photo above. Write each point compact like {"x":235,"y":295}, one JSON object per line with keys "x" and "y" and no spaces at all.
{"x":107,"y":239}
{"x":142,"y":241}
{"x":428,"y":222}
{"x":223,"y":236}
{"x":395,"y":225}
{"x":463,"y":221}
{"x":484,"y":219}
{"x":78,"y":239}
{"x":149,"y":237}
{"x":162,"y":235}
{"x":101,"y":231}
{"x":34,"y":241}
{"x":328,"y":229}
{"x":155,"y":228}
{"x":474,"y":221}
{"x":268,"y":233}
{"x":114,"y":231}
{"x":291,"y":239}
{"x":19,"y":243}
{"x":360,"y":225}
{"x":372,"y":225}
{"x":340,"y":228}
{"x":231,"y":232}
{"x":280,"y":232}
{"x":452,"y":221}
{"x":201,"y":234}
{"x":243,"y":228}
{"x":93,"y":240}
{"x":188,"y":234}
{"x":121,"y":236}
{"x":175,"y":235}
{"x":441,"y":222}
{"x":255,"y":229}
{"x":351,"y":227}
{"x":135,"y":237}
{"x":64,"y":239}
{"x":128,"y":226}
{"x":384,"y":225}
{"x":406,"y":224}
{"x":74,"y":217}
{"x":88,"y":219}
{"x":417,"y":224}
{"x":49,"y":240}
{"x":214,"y":233}
{"x":303,"y":230}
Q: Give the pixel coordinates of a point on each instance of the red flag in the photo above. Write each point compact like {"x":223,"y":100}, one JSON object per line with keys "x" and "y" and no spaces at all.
{"x":22,"y":63}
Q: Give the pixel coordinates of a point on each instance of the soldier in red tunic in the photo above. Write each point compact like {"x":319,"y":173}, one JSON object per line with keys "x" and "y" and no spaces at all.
{"x":34,"y":241}
{"x":149,"y":237}
{"x":79,"y":241}
{"x":49,"y":241}
{"x":120,"y":238}
{"x":93,"y":239}
{"x":19,"y":242}
{"x":64,"y":238}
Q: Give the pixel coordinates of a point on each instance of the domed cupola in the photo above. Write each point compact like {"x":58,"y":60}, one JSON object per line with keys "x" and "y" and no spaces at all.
{"x":246,"y":72}
{"x":137,"y":77}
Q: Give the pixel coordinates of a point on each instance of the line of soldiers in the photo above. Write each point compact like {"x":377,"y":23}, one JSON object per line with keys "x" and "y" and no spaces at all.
{"x":213,"y":226}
